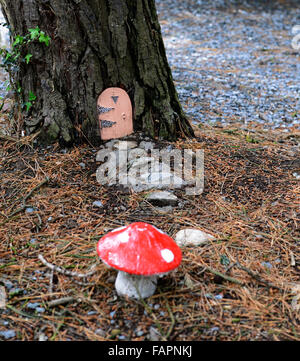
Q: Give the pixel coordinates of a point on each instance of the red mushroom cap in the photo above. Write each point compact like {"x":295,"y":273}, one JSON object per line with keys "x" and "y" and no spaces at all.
{"x":139,"y":249}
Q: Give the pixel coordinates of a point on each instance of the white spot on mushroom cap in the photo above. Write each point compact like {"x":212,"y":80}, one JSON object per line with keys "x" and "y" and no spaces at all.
{"x":167,"y":255}
{"x":123,"y":237}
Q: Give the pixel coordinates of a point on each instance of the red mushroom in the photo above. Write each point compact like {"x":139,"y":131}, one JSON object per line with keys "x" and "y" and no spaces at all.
{"x":141,"y":253}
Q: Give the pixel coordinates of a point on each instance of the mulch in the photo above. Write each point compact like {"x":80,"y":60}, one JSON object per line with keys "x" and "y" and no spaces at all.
{"x":243,"y":286}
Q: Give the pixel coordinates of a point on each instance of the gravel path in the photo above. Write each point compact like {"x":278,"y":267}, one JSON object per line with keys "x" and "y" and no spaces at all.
{"x":233,"y":62}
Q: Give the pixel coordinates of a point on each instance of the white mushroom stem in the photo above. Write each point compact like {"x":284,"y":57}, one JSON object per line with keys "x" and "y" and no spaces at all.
{"x":135,"y":286}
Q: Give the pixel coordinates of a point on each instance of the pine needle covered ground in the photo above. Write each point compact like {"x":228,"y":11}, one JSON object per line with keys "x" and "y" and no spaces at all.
{"x":243,"y":286}
{"x":230,"y":64}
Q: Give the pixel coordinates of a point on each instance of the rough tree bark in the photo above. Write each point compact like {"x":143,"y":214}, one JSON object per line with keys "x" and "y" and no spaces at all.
{"x":95,"y":44}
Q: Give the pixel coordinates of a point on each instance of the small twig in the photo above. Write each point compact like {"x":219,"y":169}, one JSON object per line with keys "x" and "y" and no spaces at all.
{"x":62,"y":301}
{"x":66,"y":272}
{"x":21,"y":313}
{"x":227,"y":278}
{"x":234,"y":280}
{"x":23,"y":140}
{"x":86,"y":284}
{"x":50,"y":289}
{"x":257,"y":277}
{"x":17,"y":211}
{"x":173,"y":322}
{"x":222,"y":275}
{"x":8,"y":138}
{"x":229,"y":267}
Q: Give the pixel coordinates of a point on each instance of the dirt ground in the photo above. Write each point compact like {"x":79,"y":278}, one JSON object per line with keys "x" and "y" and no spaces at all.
{"x":244,"y":286}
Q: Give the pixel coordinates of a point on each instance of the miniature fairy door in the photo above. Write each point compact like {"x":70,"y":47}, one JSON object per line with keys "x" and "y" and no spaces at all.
{"x":115,"y":113}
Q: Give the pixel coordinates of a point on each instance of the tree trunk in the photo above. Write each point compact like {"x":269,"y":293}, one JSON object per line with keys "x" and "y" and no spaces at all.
{"x":95,"y":44}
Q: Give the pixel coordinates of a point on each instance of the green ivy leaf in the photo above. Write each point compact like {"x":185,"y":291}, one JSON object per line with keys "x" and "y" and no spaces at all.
{"x":32,"y":97}
{"x":8,"y":55}
{"x":28,"y":105}
{"x":16,"y":57}
{"x":18,"y":40}
{"x":27,"y":58}
{"x":43,"y":38}
{"x":34,"y":33}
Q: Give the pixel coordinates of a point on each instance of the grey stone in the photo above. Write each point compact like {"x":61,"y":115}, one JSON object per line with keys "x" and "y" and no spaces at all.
{"x":140,"y":163}
{"x":162,"y":180}
{"x":110,"y":144}
{"x":192,"y":237}
{"x":33,"y":305}
{"x":42,"y":337}
{"x":154,"y":334}
{"x":131,"y":182}
{"x":166,"y":209}
{"x":146,"y":145}
{"x":123,"y":144}
{"x":133,"y":168}
{"x":8,"y":334}
{"x":266,"y":264}
{"x":98,"y":204}
{"x":107,"y":172}
{"x":100,"y":332}
{"x":162,"y":198}
{"x":40,"y":309}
